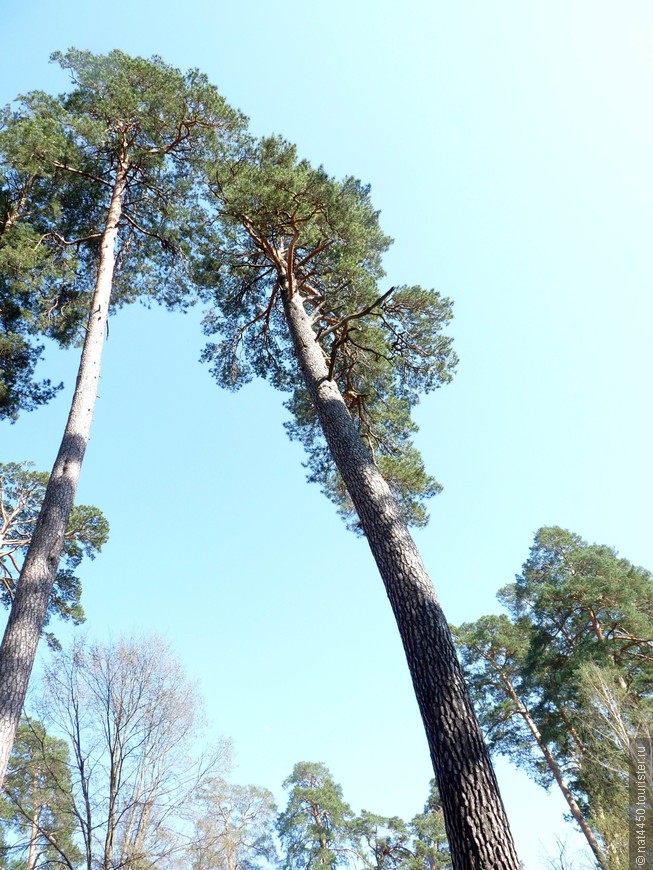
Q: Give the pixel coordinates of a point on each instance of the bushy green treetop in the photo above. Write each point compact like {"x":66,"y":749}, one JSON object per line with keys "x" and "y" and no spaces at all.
{"x":586,"y":604}
{"x":59,"y":157}
{"x":431,"y":849}
{"x":314,"y":828}
{"x":574,"y":658}
{"x":284,"y":220}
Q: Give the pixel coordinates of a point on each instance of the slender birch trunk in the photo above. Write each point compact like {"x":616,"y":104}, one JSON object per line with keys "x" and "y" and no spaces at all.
{"x":476,"y":823}
{"x":34,"y":587}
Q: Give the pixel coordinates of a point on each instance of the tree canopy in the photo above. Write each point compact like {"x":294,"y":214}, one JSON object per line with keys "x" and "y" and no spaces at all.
{"x":314,"y":829}
{"x":133,"y":721}
{"x":235,"y":827}
{"x":280,"y":215}
{"x":160,"y":123}
{"x":563,"y":683}
{"x":36,"y":809}
{"x":124,"y":149}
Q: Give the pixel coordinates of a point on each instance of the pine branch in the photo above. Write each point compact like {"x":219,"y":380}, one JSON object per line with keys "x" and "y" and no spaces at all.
{"x":81,"y":172}
{"x":166,"y":243}
{"x":357,"y":314}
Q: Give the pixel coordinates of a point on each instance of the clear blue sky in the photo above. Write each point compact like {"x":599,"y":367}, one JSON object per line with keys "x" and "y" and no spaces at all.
{"x":508,"y":145}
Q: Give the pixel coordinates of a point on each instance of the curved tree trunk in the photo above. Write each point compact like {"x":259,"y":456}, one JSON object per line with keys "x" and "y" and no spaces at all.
{"x":34,"y":587}
{"x":475,"y":819}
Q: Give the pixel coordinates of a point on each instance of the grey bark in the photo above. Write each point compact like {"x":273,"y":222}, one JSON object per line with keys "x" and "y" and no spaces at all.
{"x":475,"y":819}
{"x":34,"y":587}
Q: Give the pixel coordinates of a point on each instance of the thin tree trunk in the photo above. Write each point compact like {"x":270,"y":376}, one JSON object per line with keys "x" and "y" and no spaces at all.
{"x":84,"y":817}
{"x":138,"y":846}
{"x":34,"y":829}
{"x":475,"y":819}
{"x":114,"y":778}
{"x":557,"y":775}
{"x":128,"y":842}
{"x":21,"y":637}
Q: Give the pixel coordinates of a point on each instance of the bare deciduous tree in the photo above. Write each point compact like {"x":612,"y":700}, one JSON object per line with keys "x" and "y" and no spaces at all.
{"x":132,"y":719}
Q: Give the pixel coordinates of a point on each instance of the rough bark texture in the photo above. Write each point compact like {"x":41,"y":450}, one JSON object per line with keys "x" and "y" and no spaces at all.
{"x":21,"y":637}
{"x":475,"y":819}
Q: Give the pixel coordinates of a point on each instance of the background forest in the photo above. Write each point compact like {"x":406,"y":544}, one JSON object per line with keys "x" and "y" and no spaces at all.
{"x":518,"y":187}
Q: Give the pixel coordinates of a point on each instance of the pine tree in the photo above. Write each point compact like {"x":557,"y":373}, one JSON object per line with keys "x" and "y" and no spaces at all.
{"x":565,"y":681}
{"x":123,"y":148}
{"x":36,"y":807}
{"x":315,"y":827}
{"x":296,"y":293}
{"x":430,"y":846}
{"x":382,"y":842}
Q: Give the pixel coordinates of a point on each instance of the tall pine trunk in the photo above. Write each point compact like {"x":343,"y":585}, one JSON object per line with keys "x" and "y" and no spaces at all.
{"x":477,"y":827}
{"x":34,"y":587}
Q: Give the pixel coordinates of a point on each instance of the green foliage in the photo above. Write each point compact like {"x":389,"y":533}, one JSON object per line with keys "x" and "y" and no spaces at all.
{"x":314,"y":828}
{"x":19,"y":391}
{"x":21,"y":494}
{"x":281,"y":220}
{"x":339,"y":245}
{"x":493,"y":651}
{"x":36,"y":803}
{"x":59,"y":159}
{"x":586,"y":604}
{"x":431,"y":849}
{"x":23,"y":263}
{"x":319,"y":829}
{"x":383,"y":843}
{"x":575,"y":656}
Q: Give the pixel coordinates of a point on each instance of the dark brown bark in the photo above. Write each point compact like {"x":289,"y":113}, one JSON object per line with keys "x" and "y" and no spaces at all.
{"x":34,"y":587}
{"x":475,"y":819}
